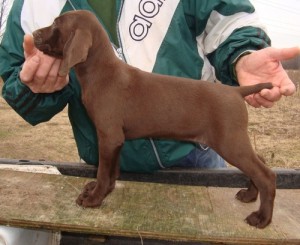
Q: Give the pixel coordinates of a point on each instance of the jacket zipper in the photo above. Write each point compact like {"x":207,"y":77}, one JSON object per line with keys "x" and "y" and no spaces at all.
{"x":156,"y":153}
{"x":120,"y":48}
{"x":70,"y":2}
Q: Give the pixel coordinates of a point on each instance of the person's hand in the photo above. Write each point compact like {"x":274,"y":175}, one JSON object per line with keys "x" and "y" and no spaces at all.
{"x":264,"y":66}
{"x":40,"y":71}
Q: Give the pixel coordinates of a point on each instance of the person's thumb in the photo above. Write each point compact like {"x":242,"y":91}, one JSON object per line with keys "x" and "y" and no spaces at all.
{"x":284,"y":53}
{"x":28,"y":45}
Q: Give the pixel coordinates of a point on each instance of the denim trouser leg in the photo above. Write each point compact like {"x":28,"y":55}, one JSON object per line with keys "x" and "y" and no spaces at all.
{"x":202,"y":157}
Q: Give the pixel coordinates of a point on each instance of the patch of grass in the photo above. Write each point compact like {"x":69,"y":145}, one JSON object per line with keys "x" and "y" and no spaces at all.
{"x":275,"y":132}
{"x":4,"y":134}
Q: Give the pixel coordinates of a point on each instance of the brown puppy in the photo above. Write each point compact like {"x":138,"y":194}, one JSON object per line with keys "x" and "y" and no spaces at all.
{"x":127,"y":103}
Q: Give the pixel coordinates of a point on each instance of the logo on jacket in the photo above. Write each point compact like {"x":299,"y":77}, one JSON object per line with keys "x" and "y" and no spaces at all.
{"x":141,"y":23}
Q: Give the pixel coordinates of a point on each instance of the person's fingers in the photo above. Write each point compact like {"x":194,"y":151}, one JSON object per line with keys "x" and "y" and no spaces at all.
{"x":251,"y":101}
{"x":271,"y":94}
{"x":54,"y":82}
{"x":287,"y":88}
{"x":261,"y":101}
{"x":29,"y":69}
{"x":45,"y":67}
{"x":53,"y":73}
{"x":257,"y":101}
{"x":61,"y":82}
{"x":266,"y":98}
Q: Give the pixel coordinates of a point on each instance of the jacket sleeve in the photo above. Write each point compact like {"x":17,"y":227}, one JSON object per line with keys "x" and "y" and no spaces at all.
{"x":226,"y":29}
{"x":34,"y":108}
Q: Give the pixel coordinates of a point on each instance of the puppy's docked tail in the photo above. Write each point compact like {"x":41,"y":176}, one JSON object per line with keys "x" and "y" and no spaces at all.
{"x":253,"y":89}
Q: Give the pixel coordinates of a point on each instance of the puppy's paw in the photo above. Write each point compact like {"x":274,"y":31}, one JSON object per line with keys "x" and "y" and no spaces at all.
{"x":90,"y":186}
{"x":89,"y":197}
{"x":89,"y":200}
{"x":258,"y":219}
{"x":246,"y":196}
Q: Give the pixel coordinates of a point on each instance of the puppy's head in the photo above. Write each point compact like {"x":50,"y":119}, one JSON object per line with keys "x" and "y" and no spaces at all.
{"x":68,"y":38}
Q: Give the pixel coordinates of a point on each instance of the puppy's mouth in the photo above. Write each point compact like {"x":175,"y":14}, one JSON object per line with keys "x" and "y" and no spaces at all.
{"x":46,"y":48}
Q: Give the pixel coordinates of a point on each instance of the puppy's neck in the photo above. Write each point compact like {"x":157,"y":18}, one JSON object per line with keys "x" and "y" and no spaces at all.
{"x":100,"y":60}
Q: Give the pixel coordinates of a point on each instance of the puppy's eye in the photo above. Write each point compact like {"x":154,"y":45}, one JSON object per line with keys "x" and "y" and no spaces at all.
{"x":55,"y":34}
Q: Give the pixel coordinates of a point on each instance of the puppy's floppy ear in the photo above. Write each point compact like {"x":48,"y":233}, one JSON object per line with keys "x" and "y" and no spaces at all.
{"x":75,"y":50}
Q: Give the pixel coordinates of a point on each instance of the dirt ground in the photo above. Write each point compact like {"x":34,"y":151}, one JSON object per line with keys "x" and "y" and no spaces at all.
{"x":275,"y":134}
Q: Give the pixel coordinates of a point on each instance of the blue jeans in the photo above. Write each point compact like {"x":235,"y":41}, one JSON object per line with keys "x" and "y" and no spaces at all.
{"x":202,"y":157}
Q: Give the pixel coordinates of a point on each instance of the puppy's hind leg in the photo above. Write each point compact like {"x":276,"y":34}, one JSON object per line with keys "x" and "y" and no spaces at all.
{"x":241,"y":154}
{"x":250,"y":194}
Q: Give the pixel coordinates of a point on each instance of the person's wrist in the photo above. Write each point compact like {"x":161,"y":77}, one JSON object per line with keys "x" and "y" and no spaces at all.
{"x":238,"y":63}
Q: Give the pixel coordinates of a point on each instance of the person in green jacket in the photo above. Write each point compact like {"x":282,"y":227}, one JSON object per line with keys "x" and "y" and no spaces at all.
{"x":207,"y":39}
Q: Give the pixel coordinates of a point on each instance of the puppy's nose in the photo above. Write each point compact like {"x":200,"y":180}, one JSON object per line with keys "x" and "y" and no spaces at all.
{"x":37,"y":37}
{"x":36,"y":33}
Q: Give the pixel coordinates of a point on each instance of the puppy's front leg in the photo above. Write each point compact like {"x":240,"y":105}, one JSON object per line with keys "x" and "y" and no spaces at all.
{"x":94,"y":192}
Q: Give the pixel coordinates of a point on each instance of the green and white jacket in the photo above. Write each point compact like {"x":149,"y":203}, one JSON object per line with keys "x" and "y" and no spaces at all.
{"x":198,"y":39}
